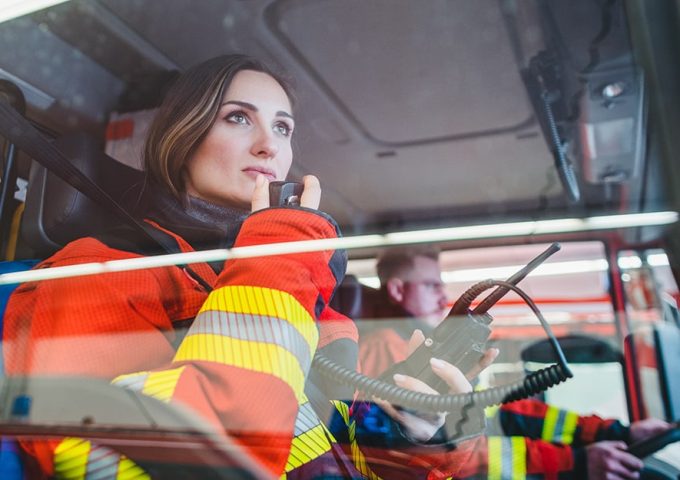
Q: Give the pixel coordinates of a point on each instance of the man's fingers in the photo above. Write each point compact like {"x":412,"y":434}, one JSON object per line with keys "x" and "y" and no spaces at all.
{"x":487,"y":359}
{"x":453,"y":377}
{"x":643,"y":429}
{"x":630,"y":462}
{"x":311,"y":195}
{"x":609,"y":459}
{"x":416,"y":339}
{"x":624,"y":464}
{"x":260,"y":199}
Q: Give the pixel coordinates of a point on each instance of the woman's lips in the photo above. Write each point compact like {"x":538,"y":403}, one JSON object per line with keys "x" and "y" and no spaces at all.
{"x":253,"y":172}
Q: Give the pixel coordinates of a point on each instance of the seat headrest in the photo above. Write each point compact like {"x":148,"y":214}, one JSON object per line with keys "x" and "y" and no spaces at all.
{"x":56,"y":213}
{"x":576,"y":348}
{"x":347,"y":297}
{"x":355,"y":300}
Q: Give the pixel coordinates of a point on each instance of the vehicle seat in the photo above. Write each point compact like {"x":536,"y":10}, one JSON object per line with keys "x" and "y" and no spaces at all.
{"x":652,"y":356}
{"x":597,"y":368}
{"x":347,"y":297}
{"x":56,"y":213}
{"x":355,"y":300}
{"x":576,"y":348}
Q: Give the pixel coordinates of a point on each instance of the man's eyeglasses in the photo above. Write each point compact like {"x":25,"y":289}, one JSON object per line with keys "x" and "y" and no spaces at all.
{"x":434,"y":285}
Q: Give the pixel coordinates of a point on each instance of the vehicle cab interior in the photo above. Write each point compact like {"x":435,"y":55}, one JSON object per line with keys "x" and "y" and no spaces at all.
{"x":489,"y":129}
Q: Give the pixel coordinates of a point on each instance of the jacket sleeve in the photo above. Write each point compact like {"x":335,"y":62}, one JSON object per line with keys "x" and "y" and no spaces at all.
{"x":522,"y":457}
{"x":377,"y":446}
{"x":93,"y":326}
{"x":538,"y":420}
{"x":244,"y":361}
{"x":379,"y":449}
{"x":80,"y":325}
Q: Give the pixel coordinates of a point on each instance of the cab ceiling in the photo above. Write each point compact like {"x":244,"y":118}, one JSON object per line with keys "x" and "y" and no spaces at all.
{"x":408,"y":111}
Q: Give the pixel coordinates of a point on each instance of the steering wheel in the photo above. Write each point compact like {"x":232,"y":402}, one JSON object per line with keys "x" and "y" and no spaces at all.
{"x":653,"y":444}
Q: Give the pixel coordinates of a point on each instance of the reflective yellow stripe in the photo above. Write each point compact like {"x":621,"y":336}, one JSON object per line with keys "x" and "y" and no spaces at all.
{"x":519,"y":458}
{"x":570,"y":424}
{"x":495,"y":458}
{"x":161,"y":385}
{"x":549,"y":422}
{"x":70,"y":458}
{"x":506,"y":458}
{"x":358,"y":457}
{"x":490,"y":412}
{"x":74,"y":457}
{"x":260,"y":357}
{"x":559,"y":426}
{"x":128,"y":470}
{"x":307,"y":446}
{"x":264,"y":301}
{"x":311,"y":440}
{"x":344,"y":411}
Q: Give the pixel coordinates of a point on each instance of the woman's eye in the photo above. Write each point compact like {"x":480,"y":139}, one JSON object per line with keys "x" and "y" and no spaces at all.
{"x":283,"y":129}
{"x":238,"y":118}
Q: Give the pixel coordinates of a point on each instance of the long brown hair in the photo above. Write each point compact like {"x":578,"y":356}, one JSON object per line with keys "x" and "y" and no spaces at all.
{"x":189,"y":109}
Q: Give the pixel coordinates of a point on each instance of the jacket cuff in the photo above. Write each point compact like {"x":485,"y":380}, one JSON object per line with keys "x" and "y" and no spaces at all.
{"x":580,"y":462}
{"x":322,"y":270}
{"x":615,"y":431}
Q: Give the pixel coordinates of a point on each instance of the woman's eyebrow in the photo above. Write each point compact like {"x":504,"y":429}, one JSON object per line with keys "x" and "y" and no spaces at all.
{"x":246,"y":105}
{"x":253,"y":108}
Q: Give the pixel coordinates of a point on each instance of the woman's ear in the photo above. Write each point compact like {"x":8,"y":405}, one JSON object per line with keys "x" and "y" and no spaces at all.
{"x":395,"y":289}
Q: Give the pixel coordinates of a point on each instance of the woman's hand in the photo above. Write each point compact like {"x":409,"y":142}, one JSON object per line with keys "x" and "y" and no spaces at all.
{"x":487,"y":359}
{"x":311,"y":194}
{"x":421,"y":426}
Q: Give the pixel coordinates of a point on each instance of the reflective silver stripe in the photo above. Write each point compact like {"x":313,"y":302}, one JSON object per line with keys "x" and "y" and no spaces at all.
{"x":134,"y":381}
{"x":102,"y":463}
{"x":306,"y":419}
{"x":506,"y":457}
{"x":559,"y":426}
{"x":257,"y":328}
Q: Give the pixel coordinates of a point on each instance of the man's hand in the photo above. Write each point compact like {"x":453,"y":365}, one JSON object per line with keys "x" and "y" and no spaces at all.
{"x":646,"y":428}
{"x":611,"y":461}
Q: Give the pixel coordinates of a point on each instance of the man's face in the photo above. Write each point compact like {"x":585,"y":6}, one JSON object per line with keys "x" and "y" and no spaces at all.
{"x":421,"y":291}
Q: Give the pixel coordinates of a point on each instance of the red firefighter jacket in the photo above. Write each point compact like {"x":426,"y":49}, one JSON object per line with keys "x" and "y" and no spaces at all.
{"x":525,"y":439}
{"x":242,"y":365}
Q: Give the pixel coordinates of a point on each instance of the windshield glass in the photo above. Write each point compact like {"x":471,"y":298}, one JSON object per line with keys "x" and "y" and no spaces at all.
{"x":169,"y":302}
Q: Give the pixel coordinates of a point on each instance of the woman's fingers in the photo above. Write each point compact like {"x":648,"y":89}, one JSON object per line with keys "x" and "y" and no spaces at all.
{"x":416,"y":339}
{"x":487,"y":359}
{"x":420,"y":425}
{"x":453,"y":377}
{"x":411,"y":383}
{"x":260,"y":199}
{"x":311,"y":195}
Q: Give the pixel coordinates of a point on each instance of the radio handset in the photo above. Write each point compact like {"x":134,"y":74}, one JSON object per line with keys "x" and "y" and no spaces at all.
{"x":289,"y":193}
{"x":285,"y":194}
{"x":461,"y":338}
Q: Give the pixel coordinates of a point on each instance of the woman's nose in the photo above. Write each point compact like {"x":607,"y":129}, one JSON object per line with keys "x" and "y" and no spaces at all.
{"x":265,"y":145}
